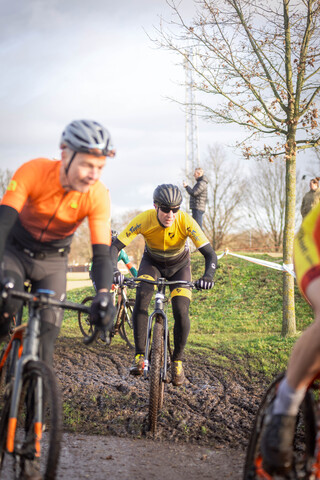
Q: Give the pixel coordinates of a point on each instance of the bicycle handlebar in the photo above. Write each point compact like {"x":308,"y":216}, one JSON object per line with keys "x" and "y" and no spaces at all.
{"x":134,"y":282}
{"x":42,"y":298}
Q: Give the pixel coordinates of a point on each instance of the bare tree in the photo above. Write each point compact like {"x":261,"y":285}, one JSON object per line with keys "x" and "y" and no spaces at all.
{"x":81,"y":251}
{"x":261,"y":61}
{"x":136,"y":247}
{"x":226,"y":193}
{"x":5,"y":176}
{"x":266,"y":200}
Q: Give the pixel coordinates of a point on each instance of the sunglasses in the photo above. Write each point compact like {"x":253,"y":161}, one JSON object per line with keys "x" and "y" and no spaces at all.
{"x":169,"y":209}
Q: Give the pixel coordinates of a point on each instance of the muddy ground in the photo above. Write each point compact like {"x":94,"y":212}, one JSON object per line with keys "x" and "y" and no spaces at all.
{"x":203,"y":427}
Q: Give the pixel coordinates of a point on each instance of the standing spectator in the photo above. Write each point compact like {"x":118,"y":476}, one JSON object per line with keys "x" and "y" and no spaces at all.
{"x":311,"y":198}
{"x":198,"y":195}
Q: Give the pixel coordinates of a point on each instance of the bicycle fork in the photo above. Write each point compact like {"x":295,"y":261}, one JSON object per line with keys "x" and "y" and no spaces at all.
{"x":30,"y":349}
{"x":159,"y":298}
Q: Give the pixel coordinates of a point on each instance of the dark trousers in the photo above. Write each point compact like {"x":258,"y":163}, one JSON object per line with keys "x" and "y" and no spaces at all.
{"x":197,"y":215}
{"x":49,"y":273}
{"x":180,"y":306}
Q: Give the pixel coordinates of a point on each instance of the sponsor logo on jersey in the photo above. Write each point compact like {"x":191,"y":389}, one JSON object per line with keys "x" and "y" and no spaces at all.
{"x":133,"y":229}
{"x":12,"y":186}
{"x":194,"y":234}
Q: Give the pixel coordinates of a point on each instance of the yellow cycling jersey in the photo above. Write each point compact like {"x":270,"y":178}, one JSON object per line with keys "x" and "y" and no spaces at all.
{"x":164,"y":243}
{"x":307,"y":249}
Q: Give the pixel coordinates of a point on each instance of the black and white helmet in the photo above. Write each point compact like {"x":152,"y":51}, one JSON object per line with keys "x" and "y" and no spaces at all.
{"x":87,"y":136}
{"x":167,"y":195}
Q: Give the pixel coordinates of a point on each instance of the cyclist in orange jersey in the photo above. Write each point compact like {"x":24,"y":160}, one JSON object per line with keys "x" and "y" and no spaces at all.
{"x":44,"y":204}
{"x":304,"y":363}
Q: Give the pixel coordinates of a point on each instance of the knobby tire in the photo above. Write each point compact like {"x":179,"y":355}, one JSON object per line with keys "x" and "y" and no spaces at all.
{"x":156,"y":391}
{"x":304,"y":440}
{"x":84,"y":319}
{"x":24,"y":444}
{"x":126,"y":326}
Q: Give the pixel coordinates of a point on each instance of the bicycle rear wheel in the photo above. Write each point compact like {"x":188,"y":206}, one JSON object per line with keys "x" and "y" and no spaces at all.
{"x":126,"y":325}
{"x":156,"y":392}
{"x":35,"y":443}
{"x":304,"y":440}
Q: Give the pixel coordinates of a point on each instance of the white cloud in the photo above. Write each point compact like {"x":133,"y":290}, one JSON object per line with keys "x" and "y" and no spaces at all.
{"x":63,"y":60}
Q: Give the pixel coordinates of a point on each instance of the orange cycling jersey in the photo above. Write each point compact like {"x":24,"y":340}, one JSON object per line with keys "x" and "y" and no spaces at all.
{"x":49,"y":212}
{"x":307,"y":249}
{"x":164,"y":243}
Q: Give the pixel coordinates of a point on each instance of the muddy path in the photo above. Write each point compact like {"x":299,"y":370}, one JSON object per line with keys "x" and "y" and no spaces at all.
{"x":204,"y":426}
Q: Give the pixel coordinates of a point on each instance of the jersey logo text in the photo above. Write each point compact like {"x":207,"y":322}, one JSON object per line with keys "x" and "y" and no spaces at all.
{"x":12,"y":186}
{"x":133,"y":229}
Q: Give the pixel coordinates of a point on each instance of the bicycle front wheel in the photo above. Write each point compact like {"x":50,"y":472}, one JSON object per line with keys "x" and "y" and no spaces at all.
{"x":84,"y":319}
{"x":126,"y":325}
{"x":156,"y":391}
{"x":32,"y":447}
{"x":304,"y":440}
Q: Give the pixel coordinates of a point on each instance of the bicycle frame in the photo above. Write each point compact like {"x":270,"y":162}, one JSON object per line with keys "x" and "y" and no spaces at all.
{"x":29,"y":338}
{"x":121,"y":294}
{"x":30,"y":352}
{"x":159,"y":310}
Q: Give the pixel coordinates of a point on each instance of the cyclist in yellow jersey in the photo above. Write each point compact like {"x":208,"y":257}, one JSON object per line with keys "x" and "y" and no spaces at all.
{"x":304,"y":363}
{"x":165,"y":229}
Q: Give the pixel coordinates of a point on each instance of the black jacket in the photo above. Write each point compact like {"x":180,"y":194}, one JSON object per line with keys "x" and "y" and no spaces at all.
{"x":198,"y":194}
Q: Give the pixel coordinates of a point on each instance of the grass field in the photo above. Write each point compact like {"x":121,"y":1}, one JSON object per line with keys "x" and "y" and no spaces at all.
{"x":240,"y":318}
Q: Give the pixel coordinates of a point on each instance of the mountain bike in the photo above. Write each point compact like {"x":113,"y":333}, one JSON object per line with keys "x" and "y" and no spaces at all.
{"x":123,"y":322}
{"x":30,"y":405}
{"x":158,"y":353}
{"x":306,"y":446}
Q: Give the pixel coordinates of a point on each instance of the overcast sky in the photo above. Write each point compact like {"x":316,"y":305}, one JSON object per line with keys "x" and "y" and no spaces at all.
{"x":69,"y":59}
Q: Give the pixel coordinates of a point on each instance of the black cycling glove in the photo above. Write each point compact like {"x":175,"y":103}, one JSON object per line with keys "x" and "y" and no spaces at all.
{"x":118,"y":277}
{"x":204,"y":283}
{"x":102,"y":311}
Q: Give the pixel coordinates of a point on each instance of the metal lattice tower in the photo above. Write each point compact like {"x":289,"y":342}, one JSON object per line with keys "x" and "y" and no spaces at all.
{"x":192,"y":152}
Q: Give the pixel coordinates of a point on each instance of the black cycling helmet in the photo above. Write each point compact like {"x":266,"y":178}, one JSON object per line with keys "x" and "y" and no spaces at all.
{"x":87,"y":136}
{"x":167,"y":195}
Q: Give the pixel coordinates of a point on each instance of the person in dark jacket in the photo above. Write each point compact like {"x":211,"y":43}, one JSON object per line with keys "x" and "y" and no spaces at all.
{"x":198,"y":195}
{"x":311,"y":198}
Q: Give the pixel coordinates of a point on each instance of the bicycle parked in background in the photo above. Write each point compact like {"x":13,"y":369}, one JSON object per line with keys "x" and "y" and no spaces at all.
{"x":123,"y":320}
{"x":30,"y":405}
{"x":306,"y":462}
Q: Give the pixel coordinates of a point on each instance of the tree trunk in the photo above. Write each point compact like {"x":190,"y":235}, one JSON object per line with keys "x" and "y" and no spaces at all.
{"x":288,"y":313}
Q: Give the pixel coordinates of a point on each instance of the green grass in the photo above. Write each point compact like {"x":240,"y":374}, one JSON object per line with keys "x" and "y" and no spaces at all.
{"x":239,"y":319}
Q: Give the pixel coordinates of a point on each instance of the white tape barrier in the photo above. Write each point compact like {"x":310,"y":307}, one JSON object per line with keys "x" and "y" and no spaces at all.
{"x":264,"y":263}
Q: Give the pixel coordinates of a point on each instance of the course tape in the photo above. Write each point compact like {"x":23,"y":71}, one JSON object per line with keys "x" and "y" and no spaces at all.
{"x":264,"y":263}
